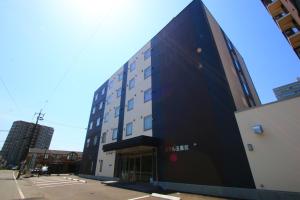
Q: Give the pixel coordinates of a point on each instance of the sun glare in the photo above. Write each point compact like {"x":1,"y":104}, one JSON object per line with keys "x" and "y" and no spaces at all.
{"x":93,"y":9}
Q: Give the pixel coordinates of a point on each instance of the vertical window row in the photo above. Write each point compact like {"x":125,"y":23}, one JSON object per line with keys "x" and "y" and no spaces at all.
{"x":240,"y":74}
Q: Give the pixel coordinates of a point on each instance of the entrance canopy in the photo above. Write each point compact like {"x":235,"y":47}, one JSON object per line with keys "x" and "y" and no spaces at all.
{"x":132,"y":142}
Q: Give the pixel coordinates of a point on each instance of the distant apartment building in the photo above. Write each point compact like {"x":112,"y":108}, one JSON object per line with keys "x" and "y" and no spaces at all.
{"x":286,"y":15}
{"x":167,"y":115}
{"x":57,"y":161}
{"x":288,"y":91}
{"x":22,"y":136}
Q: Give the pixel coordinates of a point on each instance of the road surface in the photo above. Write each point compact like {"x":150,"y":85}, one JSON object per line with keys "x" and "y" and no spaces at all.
{"x":70,"y":187}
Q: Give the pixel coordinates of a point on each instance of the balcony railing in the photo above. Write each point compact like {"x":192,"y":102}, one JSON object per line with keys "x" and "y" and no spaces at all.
{"x":285,"y":22}
{"x":295,"y":40}
{"x":275,"y":8}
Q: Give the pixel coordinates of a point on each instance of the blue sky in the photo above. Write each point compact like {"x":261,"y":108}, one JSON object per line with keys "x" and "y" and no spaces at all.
{"x":55,"y":53}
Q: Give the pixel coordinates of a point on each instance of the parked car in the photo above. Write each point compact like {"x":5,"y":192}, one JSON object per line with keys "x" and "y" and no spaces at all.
{"x":35,"y":171}
{"x":15,"y":167}
{"x":44,"y":170}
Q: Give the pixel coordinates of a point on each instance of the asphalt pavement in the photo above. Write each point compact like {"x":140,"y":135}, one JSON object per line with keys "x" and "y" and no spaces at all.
{"x":71,"y":187}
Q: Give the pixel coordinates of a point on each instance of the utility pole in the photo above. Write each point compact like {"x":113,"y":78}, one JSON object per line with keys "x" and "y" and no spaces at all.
{"x":40,"y":117}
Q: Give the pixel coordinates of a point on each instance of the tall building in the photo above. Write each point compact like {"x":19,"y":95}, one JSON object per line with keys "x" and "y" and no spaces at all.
{"x":286,"y":15}
{"x":22,"y":136}
{"x":167,"y":115}
{"x":288,"y":91}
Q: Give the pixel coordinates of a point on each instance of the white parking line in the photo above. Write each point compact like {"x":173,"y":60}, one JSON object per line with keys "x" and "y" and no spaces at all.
{"x":57,"y":183}
{"x":142,"y":197}
{"x":18,"y":188}
{"x":49,"y":186}
{"x":38,"y":182}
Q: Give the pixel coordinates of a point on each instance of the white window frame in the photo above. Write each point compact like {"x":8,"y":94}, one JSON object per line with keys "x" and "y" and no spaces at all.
{"x":114,"y":133}
{"x":148,"y":92}
{"x":98,"y":121}
{"x":151,"y":119}
{"x":149,"y":70}
{"x":95,"y":140}
{"x":132,"y":66}
{"x":117,"y":111}
{"x":131,"y":129}
{"x":91,"y":125}
{"x":128,"y":103}
{"x":131,"y":83}
{"x":147,"y":54}
{"x":119,"y":92}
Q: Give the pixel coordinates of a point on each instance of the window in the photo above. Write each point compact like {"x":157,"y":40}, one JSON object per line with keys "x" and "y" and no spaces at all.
{"x":103,"y":138}
{"x":119,"y":92}
{"x":148,"y":95}
{"x":147,"y":54}
{"x":98,"y":121}
{"x":88,"y":142}
{"x":91,"y":125}
{"x":94,"y":110}
{"x":103,"y":91}
{"x":132,"y":66}
{"x":110,"y":84}
{"x":95,"y":140}
{"x":246,"y":89}
{"x":129,"y":129}
{"x":236,"y":64}
{"x":130,"y":104}
{"x":131,"y":83}
{"x":120,"y":76}
{"x":229,"y":43}
{"x":101,"y":105}
{"x":106,"y":117}
{"x":147,"y":72}
{"x":46,"y":156}
{"x":100,"y":165}
{"x":96,"y":96}
{"x":147,"y":122}
{"x":115,"y":134}
{"x":117,"y":111}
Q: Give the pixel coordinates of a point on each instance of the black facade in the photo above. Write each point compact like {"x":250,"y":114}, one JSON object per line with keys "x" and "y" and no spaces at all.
{"x":193,"y":108}
{"x":196,"y":139}
{"x":90,"y":151}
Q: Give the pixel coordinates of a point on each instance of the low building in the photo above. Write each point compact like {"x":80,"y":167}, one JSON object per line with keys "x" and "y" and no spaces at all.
{"x":56,"y":160}
{"x":22,"y":136}
{"x":288,"y":91}
{"x":271,"y":136}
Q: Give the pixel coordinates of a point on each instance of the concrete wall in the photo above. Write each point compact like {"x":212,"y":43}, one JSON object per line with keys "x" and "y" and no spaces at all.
{"x":141,"y":109}
{"x":136,"y":116}
{"x":112,"y":101}
{"x":275,"y":160}
{"x":229,"y":68}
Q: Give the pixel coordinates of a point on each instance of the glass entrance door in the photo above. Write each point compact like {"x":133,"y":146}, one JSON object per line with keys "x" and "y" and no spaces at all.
{"x":136,"y":168}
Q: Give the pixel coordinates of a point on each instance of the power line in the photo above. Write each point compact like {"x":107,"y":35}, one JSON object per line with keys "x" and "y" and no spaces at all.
{"x":9,"y":93}
{"x":75,"y":58}
{"x":65,"y":125}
